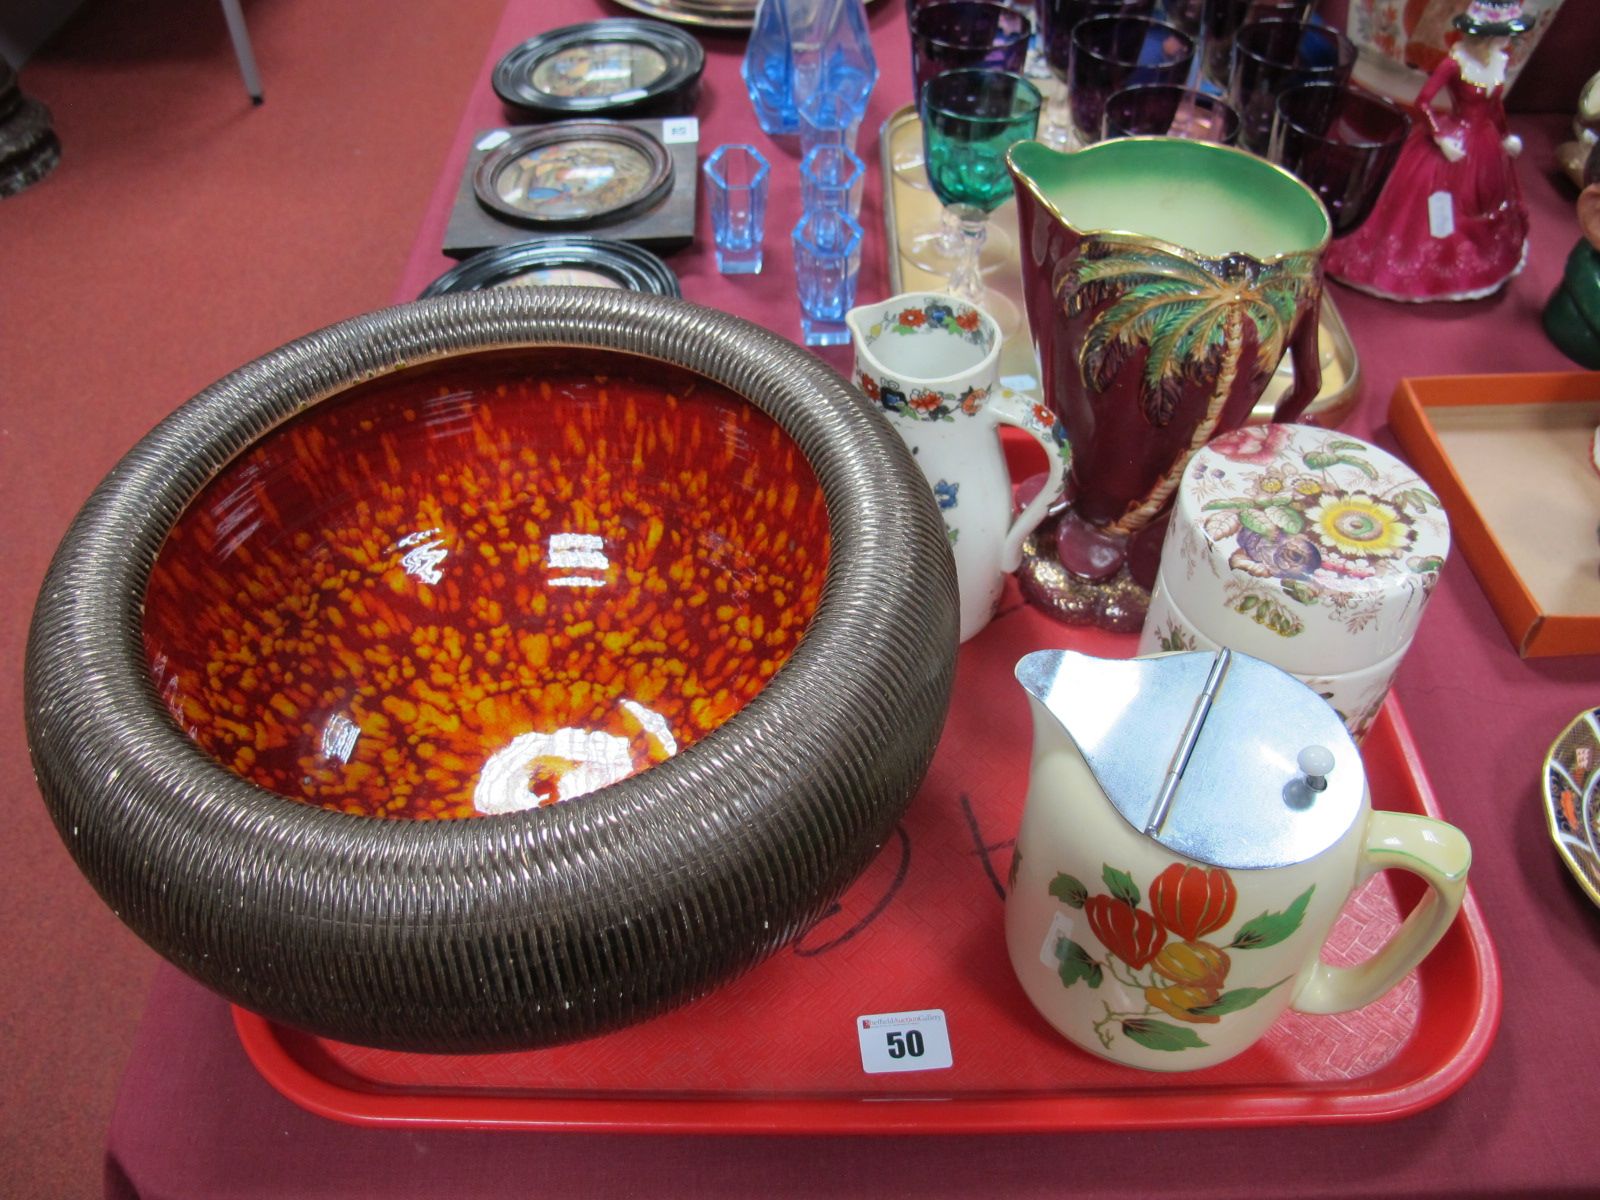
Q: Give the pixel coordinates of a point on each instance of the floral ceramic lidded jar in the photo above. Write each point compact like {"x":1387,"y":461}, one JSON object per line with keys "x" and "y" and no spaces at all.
{"x":1304,"y":547}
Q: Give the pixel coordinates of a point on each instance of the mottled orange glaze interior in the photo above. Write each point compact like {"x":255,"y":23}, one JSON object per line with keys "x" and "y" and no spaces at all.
{"x":486,"y":584}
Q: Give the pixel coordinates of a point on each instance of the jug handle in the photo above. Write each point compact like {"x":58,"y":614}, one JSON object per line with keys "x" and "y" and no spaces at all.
{"x":1305,"y":344}
{"x":1006,"y":407}
{"x":1440,"y":855}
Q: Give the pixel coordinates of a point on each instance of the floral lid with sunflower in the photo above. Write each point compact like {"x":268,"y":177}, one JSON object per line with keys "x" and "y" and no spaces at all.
{"x":1304,"y":546}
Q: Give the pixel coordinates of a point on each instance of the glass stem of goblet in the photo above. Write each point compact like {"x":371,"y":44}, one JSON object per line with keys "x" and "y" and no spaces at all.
{"x":1055,"y":124}
{"x":966,"y":281}
{"x":1036,"y":66}
{"x":949,"y":233}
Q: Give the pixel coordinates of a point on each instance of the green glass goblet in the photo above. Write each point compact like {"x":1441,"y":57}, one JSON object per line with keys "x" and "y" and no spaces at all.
{"x":970,"y":118}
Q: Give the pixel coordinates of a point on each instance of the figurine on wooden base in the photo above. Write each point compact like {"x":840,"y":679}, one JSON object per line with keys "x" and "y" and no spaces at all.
{"x":1451,"y":223}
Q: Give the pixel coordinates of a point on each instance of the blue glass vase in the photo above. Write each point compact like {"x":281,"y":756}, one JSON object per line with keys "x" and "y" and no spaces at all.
{"x":800,"y":48}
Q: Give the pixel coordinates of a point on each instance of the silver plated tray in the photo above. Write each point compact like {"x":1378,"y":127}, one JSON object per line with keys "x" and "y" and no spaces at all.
{"x":706,"y":14}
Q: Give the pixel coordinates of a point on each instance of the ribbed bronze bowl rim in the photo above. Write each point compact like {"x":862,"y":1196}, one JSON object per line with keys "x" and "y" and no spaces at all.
{"x":531,"y":928}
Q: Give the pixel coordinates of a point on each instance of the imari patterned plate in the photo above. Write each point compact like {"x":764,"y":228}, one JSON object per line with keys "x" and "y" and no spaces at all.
{"x":1572,"y":799}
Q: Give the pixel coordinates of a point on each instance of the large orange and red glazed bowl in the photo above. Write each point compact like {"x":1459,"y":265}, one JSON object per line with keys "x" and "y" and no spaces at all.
{"x":493,"y":671}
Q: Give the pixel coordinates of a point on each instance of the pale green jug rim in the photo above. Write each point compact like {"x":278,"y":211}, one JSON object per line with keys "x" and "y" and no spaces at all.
{"x":1221,"y":157}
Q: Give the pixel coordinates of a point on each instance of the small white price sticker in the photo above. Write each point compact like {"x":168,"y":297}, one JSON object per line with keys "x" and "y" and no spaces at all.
{"x":680,"y":129}
{"x":1060,"y":927}
{"x":904,"y":1041}
{"x":1441,"y":214}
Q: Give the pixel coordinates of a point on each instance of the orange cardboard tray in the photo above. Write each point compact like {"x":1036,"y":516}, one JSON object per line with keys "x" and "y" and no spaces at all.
{"x":1509,"y":455}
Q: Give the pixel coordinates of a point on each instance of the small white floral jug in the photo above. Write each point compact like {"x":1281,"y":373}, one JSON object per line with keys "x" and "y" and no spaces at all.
{"x":933,"y":362}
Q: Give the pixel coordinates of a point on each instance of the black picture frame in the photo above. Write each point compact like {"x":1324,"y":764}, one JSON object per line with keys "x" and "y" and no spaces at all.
{"x":674,"y":90}
{"x":629,"y":266}
{"x":665,"y":226}
{"x":605,"y":140}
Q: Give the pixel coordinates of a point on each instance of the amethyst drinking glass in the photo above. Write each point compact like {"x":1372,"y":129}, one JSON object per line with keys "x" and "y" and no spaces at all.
{"x":966,"y":33}
{"x":1167,"y":110}
{"x":1187,"y":15}
{"x":1269,"y":58}
{"x":1112,"y":53}
{"x":1221,"y":19}
{"x":1058,"y":18}
{"x":1341,"y":142}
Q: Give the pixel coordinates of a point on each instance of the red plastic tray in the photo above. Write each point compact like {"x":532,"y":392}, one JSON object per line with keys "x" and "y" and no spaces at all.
{"x":776,"y":1050}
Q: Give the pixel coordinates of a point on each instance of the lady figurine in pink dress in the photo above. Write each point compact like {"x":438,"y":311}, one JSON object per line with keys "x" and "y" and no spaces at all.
{"x":1450,"y":224}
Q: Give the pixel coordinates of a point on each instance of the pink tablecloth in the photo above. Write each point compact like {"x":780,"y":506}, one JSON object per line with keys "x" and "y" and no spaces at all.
{"x":195,"y":1119}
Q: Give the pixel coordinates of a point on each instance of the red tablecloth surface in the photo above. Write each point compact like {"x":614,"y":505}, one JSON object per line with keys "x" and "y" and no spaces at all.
{"x":195,"y":1119}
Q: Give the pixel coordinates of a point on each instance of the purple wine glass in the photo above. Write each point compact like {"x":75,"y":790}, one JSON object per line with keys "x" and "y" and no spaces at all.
{"x":1058,"y":18}
{"x":1167,"y":110}
{"x":966,"y":33}
{"x":1269,"y":58}
{"x":1111,"y":53}
{"x":1221,"y":19}
{"x":1341,"y":142}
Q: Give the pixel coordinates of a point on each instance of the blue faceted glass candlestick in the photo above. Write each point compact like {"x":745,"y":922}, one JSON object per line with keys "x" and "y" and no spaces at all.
{"x":827,"y":261}
{"x":736,"y":188}
{"x":801,"y":47}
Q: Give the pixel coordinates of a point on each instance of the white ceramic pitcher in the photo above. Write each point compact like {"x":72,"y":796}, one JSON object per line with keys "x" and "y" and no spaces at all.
{"x":933,"y":362}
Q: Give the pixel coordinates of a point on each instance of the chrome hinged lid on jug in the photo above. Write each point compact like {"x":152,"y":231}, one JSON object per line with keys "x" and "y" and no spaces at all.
{"x":1219,"y":757}
{"x":1194,"y":828}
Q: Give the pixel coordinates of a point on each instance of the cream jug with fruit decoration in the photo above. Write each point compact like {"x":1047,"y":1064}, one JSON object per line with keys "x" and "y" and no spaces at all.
{"x":1194,"y":825}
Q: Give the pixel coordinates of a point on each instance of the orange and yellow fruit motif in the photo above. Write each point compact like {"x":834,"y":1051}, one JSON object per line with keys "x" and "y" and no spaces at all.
{"x":1161,"y":955}
{"x":486,"y":585}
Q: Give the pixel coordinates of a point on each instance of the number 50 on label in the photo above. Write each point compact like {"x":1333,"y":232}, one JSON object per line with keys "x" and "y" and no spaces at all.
{"x":904,"y":1041}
